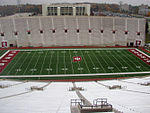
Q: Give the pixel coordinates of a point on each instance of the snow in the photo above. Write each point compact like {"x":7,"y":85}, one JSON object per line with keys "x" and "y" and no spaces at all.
{"x":56,"y":97}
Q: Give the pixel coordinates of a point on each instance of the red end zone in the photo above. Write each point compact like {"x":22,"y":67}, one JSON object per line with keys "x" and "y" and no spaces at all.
{"x":4,"y":61}
{"x":140,"y":55}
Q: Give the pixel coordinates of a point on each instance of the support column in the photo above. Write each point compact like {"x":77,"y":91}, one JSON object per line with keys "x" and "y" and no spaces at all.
{"x":42,"y":38}
{"x":102,"y":36}
{"x":126,"y":29}
{"x":58,"y":11}
{"x":29,"y":35}
{"x":16,"y":36}
{"x":114,"y":35}
{"x":74,"y":11}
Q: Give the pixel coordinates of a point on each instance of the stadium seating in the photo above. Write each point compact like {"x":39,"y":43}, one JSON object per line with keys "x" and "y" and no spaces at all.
{"x":34,"y":25}
{"x":107,"y":24}
{"x":48,"y":26}
{"x":120,"y":37}
{"x":72,"y":31}
{"x":72,"y":36}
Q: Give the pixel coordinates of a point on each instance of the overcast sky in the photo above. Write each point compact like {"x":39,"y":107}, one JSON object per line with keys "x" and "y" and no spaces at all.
{"x":133,"y":2}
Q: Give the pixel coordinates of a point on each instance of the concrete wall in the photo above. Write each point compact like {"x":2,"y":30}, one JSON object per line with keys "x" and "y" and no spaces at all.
{"x":71,"y":38}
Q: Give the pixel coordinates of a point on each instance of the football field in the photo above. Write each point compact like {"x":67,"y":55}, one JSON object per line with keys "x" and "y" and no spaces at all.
{"x":74,"y":62}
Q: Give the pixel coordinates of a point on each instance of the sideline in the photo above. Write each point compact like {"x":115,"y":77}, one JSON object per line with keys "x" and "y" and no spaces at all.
{"x":74,"y":75}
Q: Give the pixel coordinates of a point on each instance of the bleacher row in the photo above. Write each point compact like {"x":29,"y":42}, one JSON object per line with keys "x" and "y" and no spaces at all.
{"x":71,"y":31}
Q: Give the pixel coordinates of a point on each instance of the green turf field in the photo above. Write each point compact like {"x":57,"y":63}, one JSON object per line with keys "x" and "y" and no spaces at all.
{"x":60,"y":62}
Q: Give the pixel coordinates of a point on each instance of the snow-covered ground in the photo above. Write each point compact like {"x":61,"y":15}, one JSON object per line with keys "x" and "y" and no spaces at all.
{"x":56,"y":97}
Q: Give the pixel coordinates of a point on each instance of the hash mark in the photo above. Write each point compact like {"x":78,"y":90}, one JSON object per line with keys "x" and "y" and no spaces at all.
{"x":80,"y":68}
{"x":110,"y":67}
{"x":33,"y":69}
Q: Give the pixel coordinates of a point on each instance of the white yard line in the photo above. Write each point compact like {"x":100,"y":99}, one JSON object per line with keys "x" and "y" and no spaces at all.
{"x":14,"y":64}
{"x":57,"y":62}
{"x":50,"y":62}
{"x":142,"y":53}
{"x":131,"y":61}
{"x":117,"y":61}
{"x":68,"y":75}
{"x":21,"y":63}
{"x":138,"y":61}
{"x":79,"y":64}
{"x":28,"y":64}
{"x":112,"y":63}
{"x":98,"y":61}
{"x":4,"y":54}
{"x":92,"y":62}
{"x":104,"y":61}
{"x":64,"y":63}
{"x":36,"y":63}
{"x":124,"y":61}
{"x":71,"y":62}
{"x":43,"y":62}
{"x":85,"y":61}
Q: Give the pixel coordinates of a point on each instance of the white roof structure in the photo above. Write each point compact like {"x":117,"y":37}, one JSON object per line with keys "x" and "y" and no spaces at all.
{"x":17,"y":97}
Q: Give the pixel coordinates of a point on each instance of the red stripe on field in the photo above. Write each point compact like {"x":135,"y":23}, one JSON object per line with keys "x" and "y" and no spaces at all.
{"x":81,"y":80}
{"x":5,"y":60}
{"x":140,"y":55}
{"x":64,"y":47}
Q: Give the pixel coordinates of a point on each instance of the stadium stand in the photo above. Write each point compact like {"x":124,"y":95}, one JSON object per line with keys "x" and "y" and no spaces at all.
{"x":71,"y":25}
{"x":72,"y":31}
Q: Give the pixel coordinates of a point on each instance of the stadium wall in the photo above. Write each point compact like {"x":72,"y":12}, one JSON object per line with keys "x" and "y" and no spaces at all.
{"x":46,"y":31}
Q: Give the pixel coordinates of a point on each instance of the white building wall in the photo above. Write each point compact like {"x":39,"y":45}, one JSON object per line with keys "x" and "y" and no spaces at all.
{"x":45,"y":8}
{"x":47,"y":28}
{"x":108,"y":28}
{"x":8,"y":30}
{"x":35,"y":32}
{"x":120,"y":38}
{"x":71,"y":26}
{"x":21,"y":29}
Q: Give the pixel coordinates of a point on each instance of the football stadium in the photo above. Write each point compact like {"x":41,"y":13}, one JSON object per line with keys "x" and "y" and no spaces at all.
{"x":97,"y":64}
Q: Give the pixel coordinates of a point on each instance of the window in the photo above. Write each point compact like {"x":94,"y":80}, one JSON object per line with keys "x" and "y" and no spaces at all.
{"x":131,"y":44}
{"x":90,"y":31}
{"x":11,"y":45}
{"x":16,"y":33}
{"x":126,"y":32}
{"x":77,"y":30}
{"x":138,"y":33}
{"x":113,"y":31}
{"x":66,"y":30}
{"x":53,"y":30}
{"x":52,"y":11}
{"x":80,"y":10}
{"x":2,"y":34}
{"x":29,"y":32}
{"x":102,"y":31}
{"x":41,"y":31}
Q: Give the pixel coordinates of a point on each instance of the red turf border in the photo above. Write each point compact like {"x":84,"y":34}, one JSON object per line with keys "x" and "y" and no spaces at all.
{"x":83,"y":80}
{"x":63,"y":47}
{"x":6,"y":61}
{"x":140,"y":55}
{"x":145,"y":50}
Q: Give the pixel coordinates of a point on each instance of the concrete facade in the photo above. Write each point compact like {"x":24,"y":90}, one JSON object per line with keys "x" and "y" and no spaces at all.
{"x":65,"y":9}
{"x":72,"y":31}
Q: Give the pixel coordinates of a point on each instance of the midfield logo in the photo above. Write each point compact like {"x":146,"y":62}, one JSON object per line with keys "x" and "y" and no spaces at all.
{"x":77,"y":58}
